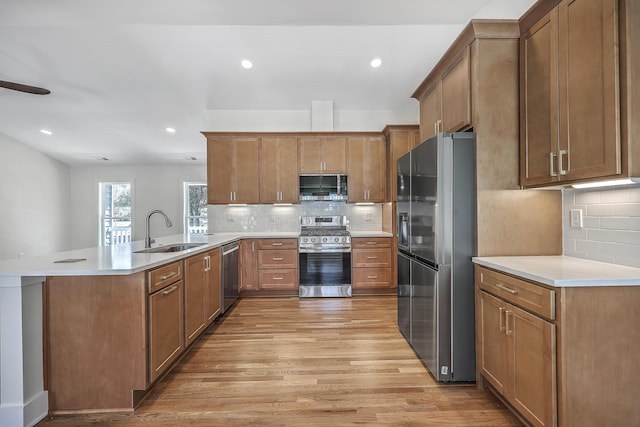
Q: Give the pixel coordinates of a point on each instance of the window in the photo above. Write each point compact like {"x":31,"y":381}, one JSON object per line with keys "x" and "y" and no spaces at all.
{"x":115,"y":213}
{"x":195,"y":207}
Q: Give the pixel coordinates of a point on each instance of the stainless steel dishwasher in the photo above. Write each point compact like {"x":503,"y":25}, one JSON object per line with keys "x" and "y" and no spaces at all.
{"x":229,"y":275}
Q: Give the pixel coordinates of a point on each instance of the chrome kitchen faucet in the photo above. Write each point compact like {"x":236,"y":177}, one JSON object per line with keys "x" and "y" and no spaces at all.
{"x":147,"y":238}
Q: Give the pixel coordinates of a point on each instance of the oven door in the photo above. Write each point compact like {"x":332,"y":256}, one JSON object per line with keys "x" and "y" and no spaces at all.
{"x":325,"y":274}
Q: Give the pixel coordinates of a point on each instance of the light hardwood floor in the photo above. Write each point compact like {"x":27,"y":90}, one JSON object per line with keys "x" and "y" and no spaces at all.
{"x":305,"y":362}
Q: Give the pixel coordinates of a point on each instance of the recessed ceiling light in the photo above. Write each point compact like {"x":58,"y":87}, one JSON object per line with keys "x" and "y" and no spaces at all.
{"x":246,"y":64}
{"x":46,"y":132}
{"x":376,"y":62}
{"x":170,"y":130}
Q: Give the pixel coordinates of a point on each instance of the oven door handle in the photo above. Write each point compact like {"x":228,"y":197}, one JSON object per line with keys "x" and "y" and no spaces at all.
{"x":323,"y":250}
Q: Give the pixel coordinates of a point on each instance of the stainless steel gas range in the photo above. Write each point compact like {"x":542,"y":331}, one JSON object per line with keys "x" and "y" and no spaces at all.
{"x":324,"y":248}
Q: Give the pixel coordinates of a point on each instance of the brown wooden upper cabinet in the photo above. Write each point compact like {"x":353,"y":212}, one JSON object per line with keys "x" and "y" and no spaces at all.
{"x":446,"y":105}
{"x":366,"y":169}
{"x":232,"y":169}
{"x":399,"y":140}
{"x":279,"y":170}
{"x":323,"y":154}
{"x":570,"y":94}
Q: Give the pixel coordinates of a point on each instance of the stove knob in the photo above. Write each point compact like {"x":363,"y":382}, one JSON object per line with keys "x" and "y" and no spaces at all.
{"x":305,"y":240}
{"x":313,"y":240}
{"x":324,"y":239}
{"x":344,"y":239}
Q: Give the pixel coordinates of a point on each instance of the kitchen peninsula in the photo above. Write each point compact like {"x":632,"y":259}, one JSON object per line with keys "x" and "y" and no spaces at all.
{"x":117,"y":274}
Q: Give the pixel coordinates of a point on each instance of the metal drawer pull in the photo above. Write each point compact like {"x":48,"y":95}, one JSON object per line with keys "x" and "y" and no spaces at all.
{"x":171,"y":289}
{"x":372,"y":243}
{"x":166,"y":276}
{"x":277,"y":258}
{"x":278,"y":278}
{"x":372,"y":277}
{"x":504,"y":288}
{"x":501,"y":322}
{"x":372,"y":257}
{"x":276,"y":244}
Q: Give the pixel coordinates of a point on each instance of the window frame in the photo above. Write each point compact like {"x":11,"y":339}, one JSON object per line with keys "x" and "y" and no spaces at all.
{"x":102,"y":217}
{"x":185,"y":206}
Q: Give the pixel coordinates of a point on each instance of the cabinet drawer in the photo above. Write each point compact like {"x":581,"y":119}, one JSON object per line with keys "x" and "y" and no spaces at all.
{"x":277,"y":243}
{"x":278,"y":258}
{"x":371,"y":277}
{"x":370,"y":242}
{"x":278,"y":279}
{"x":536,"y":298}
{"x":371,"y":257}
{"x":165,"y":275}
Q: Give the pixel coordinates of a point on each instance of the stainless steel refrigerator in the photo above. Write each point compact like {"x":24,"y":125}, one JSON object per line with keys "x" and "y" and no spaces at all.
{"x":436,"y":240}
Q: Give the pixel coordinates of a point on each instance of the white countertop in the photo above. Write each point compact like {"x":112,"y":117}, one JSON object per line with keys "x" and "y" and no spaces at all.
{"x":563,"y":271}
{"x":122,"y":259}
{"x":370,"y":234}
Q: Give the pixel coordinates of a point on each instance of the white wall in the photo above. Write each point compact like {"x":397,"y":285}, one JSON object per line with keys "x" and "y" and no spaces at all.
{"x":153,"y":187}
{"x":611,"y":225}
{"x":34,"y":197}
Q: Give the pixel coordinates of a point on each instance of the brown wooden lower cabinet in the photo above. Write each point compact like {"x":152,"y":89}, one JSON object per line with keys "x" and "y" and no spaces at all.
{"x":563,"y":356}
{"x":269,"y":267}
{"x":166,"y":328}
{"x":371,"y":265}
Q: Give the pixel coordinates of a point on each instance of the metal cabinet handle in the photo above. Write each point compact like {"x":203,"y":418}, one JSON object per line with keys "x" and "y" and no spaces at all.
{"x":171,"y":289}
{"x":253,"y":246}
{"x":435,"y":127}
{"x":276,"y":244}
{"x":278,"y":278}
{"x":504,"y":288}
{"x":506,"y":318}
{"x":166,"y":276}
{"x":375,"y":243}
{"x":552,"y":171}
{"x":372,"y":277}
{"x":501,"y":322}
{"x":277,"y":258}
{"x":560,"y":169}
{"x":372,"y":257}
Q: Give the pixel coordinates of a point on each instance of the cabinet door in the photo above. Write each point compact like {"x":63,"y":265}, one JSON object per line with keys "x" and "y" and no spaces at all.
{"x":374,"y":169}
{"x":366,"y":169}
{"x":279,"y":170}
{"x":532,"y":390}
{"x":589,"y":92}
{"x":492,"y":349}
{"x":166,"y":328}
{"x":456,"y":95}
{"x":248,"y":265}
{"x":213,"y":289}
{"x":246,"y":166}
{"x":220,"y":169}
{"x":539,"y":102}
{"x":194,"y":296}
{"x":398,"y":144}
{"x":334,"y":154}
{"x":310,"y":154}
{"x":430,"y":107}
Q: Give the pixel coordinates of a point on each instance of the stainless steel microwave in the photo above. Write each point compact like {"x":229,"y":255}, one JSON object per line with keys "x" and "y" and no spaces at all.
{"x":323,"y":187}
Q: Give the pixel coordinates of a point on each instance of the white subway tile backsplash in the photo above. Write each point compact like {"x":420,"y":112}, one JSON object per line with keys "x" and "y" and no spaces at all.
{"x":223,"y":218}
{"x":611,"y":225}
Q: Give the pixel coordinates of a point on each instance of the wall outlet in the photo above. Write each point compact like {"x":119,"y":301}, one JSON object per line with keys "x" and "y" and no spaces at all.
{"x":575,"y":216}
{"x":368,"y":216}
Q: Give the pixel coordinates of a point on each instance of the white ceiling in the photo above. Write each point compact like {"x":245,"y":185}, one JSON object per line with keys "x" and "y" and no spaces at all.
{"x":121,"y":71}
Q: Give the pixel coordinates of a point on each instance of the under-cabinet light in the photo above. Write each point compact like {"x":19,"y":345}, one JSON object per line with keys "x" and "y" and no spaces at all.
{"x":282,"y":204}
{"x":364,"y":204}
{"x":607,"y":183}
{"x":235,"y":205}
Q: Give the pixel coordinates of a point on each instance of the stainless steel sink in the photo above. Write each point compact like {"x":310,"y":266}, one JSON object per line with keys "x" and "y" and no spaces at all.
{"x":174,"y":247}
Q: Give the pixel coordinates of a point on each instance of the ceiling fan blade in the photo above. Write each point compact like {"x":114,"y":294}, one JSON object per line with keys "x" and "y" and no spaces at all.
{"x":24,"y":88}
